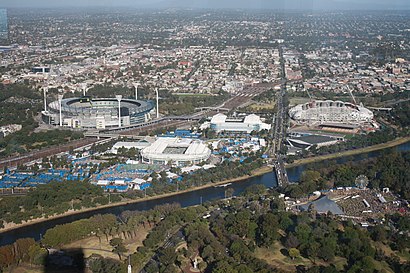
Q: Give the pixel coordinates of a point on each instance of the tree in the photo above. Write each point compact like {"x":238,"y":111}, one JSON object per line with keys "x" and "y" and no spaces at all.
{"x":37,"y":254}
{"x":294,"y":253}
{"x":313,"y":250}
{"x":267,"y":229}
{"x":326,"y":253}
{"x":21,"y":249}
{"x":224,"y":267}
{"x":291,"y":241}
{"x":303,"y":232}
{"x":167,"y":256}
{"x":6,"y":256}
{"x":101,"y":265}
{"x":240,"y":223}
{"x":118,"y":246}
{"x":378,"y":233}
{"x":285,"y":222}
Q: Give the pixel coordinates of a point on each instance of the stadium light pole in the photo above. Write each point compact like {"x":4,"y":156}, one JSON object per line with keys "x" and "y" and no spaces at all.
{"x":60,"y":99}
{"x":136,"y":90}
{"x":45,"y":90}
{"x":129,"y":264}
{"x":156,"y":90}
{"x":119,"y":98}
{"x":84,"y":86}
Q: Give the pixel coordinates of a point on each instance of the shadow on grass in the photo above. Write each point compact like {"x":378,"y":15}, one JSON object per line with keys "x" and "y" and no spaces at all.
{"x":67,"y":261}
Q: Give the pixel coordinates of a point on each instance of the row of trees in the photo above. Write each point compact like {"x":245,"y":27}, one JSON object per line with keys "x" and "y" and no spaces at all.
{"x":391,"y":170}
{"x":400,"y":114}
{"x":20,"y":104}
{"x":226,"y":170}
{"x":24,"y":250}
{"x":50,"y":199}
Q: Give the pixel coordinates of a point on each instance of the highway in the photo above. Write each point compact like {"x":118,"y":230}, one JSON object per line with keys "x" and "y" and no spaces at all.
{"x":279,"y":131}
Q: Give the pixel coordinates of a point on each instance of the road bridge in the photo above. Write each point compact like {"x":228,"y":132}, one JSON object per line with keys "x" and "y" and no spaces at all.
{"x":213,"y":108}
{"x":279,"y":131}
{"x":384,"y":109}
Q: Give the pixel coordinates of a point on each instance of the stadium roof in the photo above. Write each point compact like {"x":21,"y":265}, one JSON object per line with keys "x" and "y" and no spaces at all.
{"x":323,"y":205}
{"x":314,"y":139}
{"x":193,"y":147}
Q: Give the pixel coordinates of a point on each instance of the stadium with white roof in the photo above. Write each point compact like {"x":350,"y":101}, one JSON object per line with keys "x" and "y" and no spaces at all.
{"x":221,"y":122}
{"x":176,"y":151}
{"x":318,"y":112}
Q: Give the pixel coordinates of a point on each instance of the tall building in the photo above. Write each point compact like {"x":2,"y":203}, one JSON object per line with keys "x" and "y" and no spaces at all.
{"x":4,"y":27}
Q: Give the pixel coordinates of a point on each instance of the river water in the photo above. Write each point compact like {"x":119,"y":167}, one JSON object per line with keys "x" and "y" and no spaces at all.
{"x":185,"y":199}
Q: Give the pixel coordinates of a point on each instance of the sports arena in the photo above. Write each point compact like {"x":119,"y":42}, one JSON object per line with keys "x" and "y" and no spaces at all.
{"x":176,"y":151}
{"x":320,"y":112}
{"x":97,"y":113}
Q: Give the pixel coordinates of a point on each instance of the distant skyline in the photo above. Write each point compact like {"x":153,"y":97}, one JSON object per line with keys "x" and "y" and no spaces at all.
{"x":215,"y":4}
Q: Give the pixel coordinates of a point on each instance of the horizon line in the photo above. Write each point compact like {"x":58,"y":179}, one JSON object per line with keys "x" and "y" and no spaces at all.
{"x":201,"y":8}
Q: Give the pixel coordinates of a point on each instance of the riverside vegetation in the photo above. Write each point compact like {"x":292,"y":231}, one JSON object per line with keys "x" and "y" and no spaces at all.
{"x":250,"y":233}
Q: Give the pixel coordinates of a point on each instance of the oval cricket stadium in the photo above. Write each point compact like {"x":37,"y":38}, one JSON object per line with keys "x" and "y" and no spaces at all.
{"x":97,"y":113}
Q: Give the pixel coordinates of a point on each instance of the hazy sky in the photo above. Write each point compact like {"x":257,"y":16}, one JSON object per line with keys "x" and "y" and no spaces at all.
{"x":248,"y":4}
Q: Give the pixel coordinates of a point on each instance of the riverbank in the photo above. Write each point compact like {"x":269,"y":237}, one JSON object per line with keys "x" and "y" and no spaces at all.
{"x":258,"y":172}
{"x":369,"y":149}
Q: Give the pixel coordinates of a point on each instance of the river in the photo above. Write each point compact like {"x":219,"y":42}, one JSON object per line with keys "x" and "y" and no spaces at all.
{"x":185,"y":199}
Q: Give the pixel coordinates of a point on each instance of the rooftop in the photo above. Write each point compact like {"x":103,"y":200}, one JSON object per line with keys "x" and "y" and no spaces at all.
{"x":324,"y":205}
{"x":176,"y":146}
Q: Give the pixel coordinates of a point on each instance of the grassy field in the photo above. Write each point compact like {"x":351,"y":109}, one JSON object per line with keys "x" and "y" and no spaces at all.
{"x":298,"y":100}
{"x":262,"y":106}
{"x":92,"y":245}
{"x":276,"y":258}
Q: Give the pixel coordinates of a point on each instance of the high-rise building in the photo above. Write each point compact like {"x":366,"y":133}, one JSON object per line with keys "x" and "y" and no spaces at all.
{"x":4,"y":28}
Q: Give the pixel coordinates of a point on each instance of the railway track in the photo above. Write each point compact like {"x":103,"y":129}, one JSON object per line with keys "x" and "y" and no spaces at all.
{"x":36,"y":155}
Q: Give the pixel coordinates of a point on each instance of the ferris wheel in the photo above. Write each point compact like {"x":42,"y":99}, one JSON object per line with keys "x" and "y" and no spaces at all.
{"x":362,"y":181}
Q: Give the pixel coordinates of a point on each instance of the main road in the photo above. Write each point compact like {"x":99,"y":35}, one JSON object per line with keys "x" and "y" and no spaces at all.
{"x":279,"y":130}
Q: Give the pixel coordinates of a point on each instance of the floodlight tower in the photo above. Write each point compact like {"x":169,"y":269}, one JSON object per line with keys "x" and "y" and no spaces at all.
{"x":351,"y":94}
{"x":156,"y":90}
{"x":84,"y":86}
{"x":45,"y":90}
{"x":136,"y":85}
{"x":60,"y":99}
{"x":129,"y":265}
{"x":119,"y":98}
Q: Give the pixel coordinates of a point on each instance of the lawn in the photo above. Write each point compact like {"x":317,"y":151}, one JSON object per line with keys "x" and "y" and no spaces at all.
{"x":276,"y":258}
{"x":92,"y":245}
{"x":262,"y":106}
